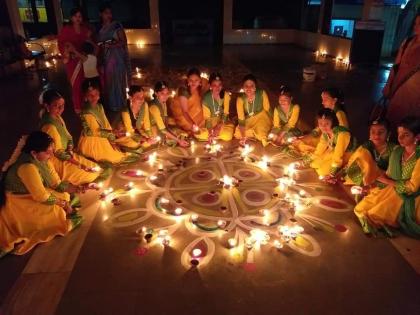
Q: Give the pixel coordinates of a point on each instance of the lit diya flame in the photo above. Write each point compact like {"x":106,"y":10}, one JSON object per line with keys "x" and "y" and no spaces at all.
{"x":259,"y":237}
{"x":194,"y":217}
{"x":214,"y":147}
{"x":290,"y":169}
{"x":289,"y":233}
{"x":264,"y":163}
{"x":278,"y":244}
{"x":173,"y":93}
{"x":195,"y":128}
{"x":271,"y":136}
{"x":204,"y":75}
{"x":164,"y":238}
{"x":96,"y":169}
{"x":228,"y":182}
{"x":106,"y":193}
{"x":152,"y":158}
{"x":356,"y":190}
{"x":129,"y":186}
{"x":246,"y":150}
{"x":232,"y":242}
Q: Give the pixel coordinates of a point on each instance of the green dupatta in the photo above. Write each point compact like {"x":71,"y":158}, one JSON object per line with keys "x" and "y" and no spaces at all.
{"x":14,"y":184}
{"x":407,"y":215}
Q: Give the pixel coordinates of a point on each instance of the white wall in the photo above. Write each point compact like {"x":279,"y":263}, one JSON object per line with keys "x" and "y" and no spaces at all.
{"x":334,"y":46}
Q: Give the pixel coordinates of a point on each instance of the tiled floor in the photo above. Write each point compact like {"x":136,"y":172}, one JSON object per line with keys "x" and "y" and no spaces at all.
{"x":94,"y":271}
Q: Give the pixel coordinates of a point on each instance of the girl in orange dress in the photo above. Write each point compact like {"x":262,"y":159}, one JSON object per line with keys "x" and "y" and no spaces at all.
{"x":186,"y":107}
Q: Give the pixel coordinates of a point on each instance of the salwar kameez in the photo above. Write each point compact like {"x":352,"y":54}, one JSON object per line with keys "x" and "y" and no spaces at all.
{"x":161,"y":123}
{"x":136,"y":127}
{"x":63,"y":157}
{"x":254,"y":116}
{"x":31,"y":215}
{"x":366,"y":164}
{"x":308,"y":143}
{"x":332,"y":153}
{"x":97,"y":140}
{"x":397,"y":206}
{"x":286,"y":122}
{"x":215,"y":112}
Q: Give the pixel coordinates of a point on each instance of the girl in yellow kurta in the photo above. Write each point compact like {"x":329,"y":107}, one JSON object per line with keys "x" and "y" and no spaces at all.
{"x":134,"y":122}
{"x":159,"y":118}
{"x":34,"y":205}
{"x":370,"y":160}
{"x":285,"y":118}
{"x":332,"y":98}
{"x":216,"y":103}
{"x":396,"y":200}
{"x":333,"y":149}
{"x":253,"y":109}
{"x":69,"y":165}
{"x":97,"y":140}
{"x":186,"y":106}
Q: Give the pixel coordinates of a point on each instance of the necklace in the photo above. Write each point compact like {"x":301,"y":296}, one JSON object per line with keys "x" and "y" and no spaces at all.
{"x":377,"y":154}
{"x":216,"y":110}
{"x":250,"y":113}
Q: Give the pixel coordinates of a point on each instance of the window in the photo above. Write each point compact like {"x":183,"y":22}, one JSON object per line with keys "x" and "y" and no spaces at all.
{"x":342,"y":27}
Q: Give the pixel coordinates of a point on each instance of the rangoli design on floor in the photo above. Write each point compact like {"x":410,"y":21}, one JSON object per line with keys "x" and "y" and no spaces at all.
{"x":230,"y":201}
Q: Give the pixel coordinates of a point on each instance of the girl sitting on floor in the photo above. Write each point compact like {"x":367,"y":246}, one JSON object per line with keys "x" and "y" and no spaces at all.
{"x":334,"y":147}
{"x":98,"y":139}
{"x":370,"y":159}
{"x":35,"y":204}
{"x":216,"y":103}
{"x":285,"y":118}
{"x":134,"y":122}
{"x":396,"y":201}
{"x":69,"y":165}
{"x":159,"y":119}
{"x":186,"y":106}
{"x":332,"y":98}
{"x":253,"y":109}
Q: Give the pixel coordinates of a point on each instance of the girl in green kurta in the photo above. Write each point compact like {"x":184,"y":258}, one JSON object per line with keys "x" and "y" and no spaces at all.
{"x":98,"y":139}
{"x":285,"y":118}
{"x":35,"y":203}
{"x":370,"y":160}
{"x":396,"y":202}
{"x":159,"y":119}
{"x":253,"y":109}
{"x":69,"y":165}
{"x":216,"y":104}
{"x":133,"y":122}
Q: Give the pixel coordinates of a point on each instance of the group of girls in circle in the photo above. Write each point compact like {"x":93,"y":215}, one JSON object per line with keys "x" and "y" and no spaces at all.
{"x":41,"y":179}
